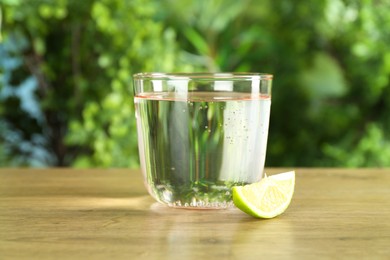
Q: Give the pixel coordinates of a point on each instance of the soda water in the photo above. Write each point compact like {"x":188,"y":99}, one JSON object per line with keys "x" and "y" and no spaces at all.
{"x":194,"y":148}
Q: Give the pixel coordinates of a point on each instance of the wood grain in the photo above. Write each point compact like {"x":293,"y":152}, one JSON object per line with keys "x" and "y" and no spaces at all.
{"x":100,"y":214}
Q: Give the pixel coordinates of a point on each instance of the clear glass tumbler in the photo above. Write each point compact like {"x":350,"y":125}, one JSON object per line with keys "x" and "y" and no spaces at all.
{"x":200,"y":134}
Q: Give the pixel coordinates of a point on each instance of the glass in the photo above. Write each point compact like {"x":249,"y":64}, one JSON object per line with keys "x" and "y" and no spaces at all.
{"x":199,"y":134}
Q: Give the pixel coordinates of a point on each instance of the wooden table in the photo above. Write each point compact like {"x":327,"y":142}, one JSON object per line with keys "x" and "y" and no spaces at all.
{"x":107,"y":214}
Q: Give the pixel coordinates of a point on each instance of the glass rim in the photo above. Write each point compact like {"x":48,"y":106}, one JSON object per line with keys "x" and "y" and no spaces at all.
{"x":204,"y":76}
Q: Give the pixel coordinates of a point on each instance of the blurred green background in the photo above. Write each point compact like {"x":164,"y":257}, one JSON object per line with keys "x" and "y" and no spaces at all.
{"x":66,"y":66}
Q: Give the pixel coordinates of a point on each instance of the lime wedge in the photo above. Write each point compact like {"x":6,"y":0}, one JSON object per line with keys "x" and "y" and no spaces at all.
{"x":268,"y":198}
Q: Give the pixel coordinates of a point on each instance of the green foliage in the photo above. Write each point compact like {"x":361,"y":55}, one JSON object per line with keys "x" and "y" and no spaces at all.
{"x":57,"y":36}
{"x":137,"y":43}
{"x":330,"y":58}
{"x":372,"y":150}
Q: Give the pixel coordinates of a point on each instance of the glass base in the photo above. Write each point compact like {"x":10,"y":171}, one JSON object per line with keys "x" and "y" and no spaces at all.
{"x":199,"y":204}
{"x":194,"y":196}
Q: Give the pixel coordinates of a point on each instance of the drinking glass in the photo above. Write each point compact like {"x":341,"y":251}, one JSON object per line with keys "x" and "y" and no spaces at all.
{"x":200,"y":134}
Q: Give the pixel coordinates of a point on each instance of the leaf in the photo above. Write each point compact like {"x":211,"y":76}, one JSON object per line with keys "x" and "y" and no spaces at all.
{"x":197,"y":41}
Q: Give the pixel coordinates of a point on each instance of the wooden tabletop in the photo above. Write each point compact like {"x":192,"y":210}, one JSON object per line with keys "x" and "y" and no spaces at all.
{"x":107,"y":214}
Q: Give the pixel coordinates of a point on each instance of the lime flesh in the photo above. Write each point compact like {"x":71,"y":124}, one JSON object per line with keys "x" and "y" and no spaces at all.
{"x":268,"y":198}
